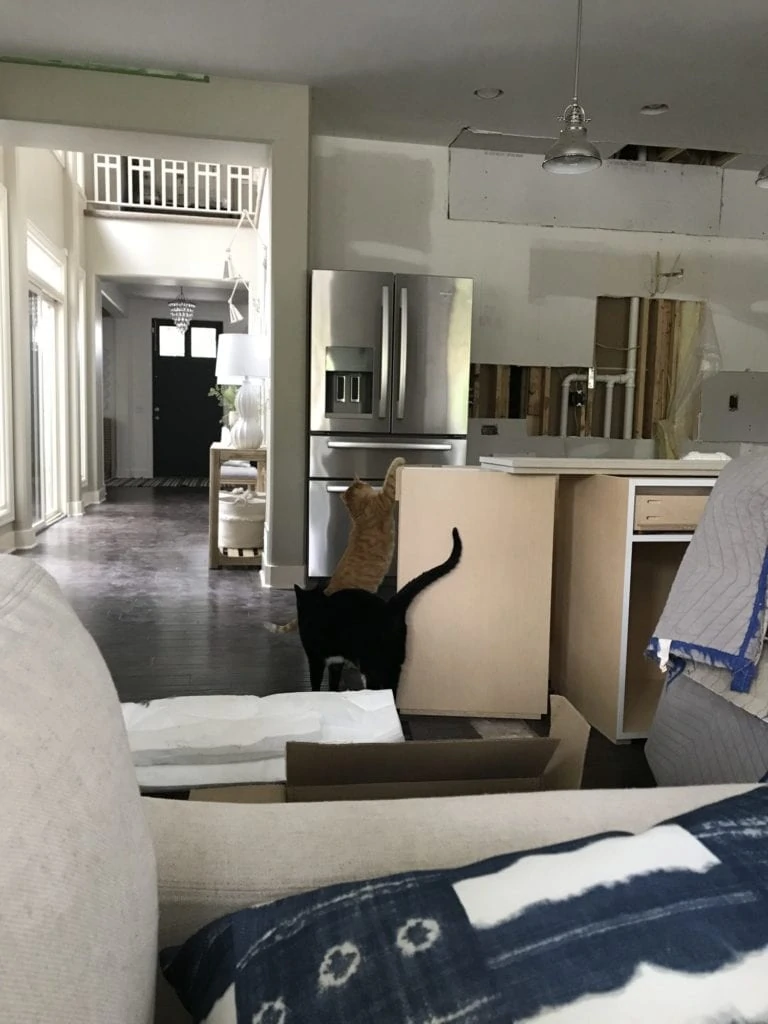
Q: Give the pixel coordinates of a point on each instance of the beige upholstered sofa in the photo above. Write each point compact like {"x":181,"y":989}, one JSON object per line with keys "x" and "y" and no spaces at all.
{"x":90,"y":872}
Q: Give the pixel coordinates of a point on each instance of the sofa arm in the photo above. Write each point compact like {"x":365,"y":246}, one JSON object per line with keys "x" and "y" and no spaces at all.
{"x":213,"y":858}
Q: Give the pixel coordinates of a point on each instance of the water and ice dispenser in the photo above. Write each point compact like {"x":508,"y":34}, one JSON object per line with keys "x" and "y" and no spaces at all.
{"x":348,"y":381}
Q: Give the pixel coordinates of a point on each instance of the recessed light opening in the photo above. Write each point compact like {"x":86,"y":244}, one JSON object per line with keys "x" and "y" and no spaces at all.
{"x":653,"y":109}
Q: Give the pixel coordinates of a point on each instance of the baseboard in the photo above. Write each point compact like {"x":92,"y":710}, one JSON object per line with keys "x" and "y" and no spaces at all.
{"x":283,"y":577}
{"x":25,"y":540}
{"x":94,"y":497}
{"x":75,"y":508}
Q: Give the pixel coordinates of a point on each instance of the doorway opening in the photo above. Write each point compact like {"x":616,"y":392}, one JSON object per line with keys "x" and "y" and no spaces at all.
{"x":185,"y":422}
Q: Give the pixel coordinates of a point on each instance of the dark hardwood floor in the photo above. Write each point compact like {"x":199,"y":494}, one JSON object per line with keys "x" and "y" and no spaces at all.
{"x":136,"y":571}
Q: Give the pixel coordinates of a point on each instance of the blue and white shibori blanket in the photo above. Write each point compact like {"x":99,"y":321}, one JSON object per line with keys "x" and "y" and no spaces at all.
{"x":715,"y":615}
{"x":668,"y":926}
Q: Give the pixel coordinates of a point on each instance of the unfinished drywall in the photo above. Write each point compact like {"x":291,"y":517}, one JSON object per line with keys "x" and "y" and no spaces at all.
{"x":684,"y":199}
{"x":384,"y":206}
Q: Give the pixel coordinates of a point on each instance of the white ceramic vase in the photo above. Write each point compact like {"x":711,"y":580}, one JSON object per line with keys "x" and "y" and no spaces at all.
{"x":246,"y":431}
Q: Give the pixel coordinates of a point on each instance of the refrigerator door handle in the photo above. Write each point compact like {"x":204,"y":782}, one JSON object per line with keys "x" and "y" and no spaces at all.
{"x":403,"y":352}
{"x":421,"y":446}
{"x":336,"y":488}
{"x":385,"y":336}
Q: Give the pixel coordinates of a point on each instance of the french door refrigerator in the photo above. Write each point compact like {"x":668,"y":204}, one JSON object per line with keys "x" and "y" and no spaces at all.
{"x":389,"y":376}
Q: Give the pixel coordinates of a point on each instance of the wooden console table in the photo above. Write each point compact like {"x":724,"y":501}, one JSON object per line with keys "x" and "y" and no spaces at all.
{"x":236,"y":476}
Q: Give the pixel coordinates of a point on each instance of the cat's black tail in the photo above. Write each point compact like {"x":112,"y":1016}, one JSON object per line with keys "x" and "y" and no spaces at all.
{"x":404,"y":596}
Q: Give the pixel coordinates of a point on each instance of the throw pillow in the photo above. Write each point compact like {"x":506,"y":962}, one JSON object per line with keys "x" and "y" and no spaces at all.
{"x":667,"y":926}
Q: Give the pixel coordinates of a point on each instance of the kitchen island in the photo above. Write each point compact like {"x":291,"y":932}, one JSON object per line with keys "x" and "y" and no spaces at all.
{"x":566,"y":565}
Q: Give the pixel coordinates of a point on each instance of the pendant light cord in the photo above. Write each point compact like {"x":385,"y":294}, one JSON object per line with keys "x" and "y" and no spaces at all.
{"x":577,"y":61}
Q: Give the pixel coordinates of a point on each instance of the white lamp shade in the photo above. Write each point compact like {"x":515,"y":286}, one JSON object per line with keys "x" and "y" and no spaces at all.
{"x":239,"y":356}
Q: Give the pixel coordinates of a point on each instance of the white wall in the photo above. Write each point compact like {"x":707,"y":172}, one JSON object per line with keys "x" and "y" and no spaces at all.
{"x":163,"y":247}
{"x":384,"y":206}
{"x":133,"y":377}
{"x":43,"y":179}
{"x":109,"y":361}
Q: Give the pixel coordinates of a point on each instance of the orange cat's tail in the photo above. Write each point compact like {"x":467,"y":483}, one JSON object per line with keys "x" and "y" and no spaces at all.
{"x":390,"y":480}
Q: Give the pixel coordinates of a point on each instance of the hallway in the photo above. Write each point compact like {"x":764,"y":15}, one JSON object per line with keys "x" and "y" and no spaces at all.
{"x":136,"y":572}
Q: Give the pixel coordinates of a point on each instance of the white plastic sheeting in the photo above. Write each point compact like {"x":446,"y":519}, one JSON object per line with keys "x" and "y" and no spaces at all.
{"x":181,"y":742}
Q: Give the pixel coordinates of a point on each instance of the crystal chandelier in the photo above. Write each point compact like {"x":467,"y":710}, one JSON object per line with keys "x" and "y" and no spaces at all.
{"x":182,"y":311}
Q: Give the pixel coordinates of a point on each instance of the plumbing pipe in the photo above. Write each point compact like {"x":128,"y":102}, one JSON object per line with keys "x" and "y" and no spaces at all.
{"x":602,"y":378}
{"x":633,"y":340}
{"x":564,"y":393}
{"x":608,"y":408}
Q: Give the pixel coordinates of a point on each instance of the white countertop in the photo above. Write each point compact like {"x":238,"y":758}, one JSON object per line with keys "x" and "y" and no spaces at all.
{"x":526,"y":465}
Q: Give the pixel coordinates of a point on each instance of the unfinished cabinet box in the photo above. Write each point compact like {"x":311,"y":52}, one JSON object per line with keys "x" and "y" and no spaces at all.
{"x":478,"y":639}
{"x":619,"y":542}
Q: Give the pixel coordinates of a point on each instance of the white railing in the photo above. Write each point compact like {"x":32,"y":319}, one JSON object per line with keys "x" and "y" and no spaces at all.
{"x":175,"y":186}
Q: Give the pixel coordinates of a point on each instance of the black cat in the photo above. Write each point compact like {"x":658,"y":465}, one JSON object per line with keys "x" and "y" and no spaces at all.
{"x":361,"y":628}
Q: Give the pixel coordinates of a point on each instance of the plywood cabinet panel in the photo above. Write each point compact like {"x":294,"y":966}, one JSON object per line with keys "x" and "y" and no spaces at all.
{"x":478,"y":640}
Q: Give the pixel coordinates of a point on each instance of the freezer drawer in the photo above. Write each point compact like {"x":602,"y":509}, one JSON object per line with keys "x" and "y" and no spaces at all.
{"x":329,"y":526}
{"x":368,"y":457}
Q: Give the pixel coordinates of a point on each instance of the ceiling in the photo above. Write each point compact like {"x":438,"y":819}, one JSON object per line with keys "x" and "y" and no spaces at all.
{"x":407,"y":70}
{"x":167,"y":288}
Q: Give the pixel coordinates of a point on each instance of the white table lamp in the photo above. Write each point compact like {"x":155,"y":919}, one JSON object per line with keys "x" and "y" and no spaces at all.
{"x":244,"y":359}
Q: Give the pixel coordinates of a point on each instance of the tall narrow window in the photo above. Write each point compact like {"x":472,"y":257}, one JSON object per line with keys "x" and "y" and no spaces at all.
{"x":46,"y":447}
{"x":6,"y":424}
{"x":82,"y":377}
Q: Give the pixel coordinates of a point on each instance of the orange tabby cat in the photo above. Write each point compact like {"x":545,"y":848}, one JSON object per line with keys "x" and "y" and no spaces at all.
{"x":371,"y":543}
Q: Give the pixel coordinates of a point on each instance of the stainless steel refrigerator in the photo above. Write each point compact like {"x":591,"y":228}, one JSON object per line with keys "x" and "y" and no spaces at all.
{"x":389,"y":376}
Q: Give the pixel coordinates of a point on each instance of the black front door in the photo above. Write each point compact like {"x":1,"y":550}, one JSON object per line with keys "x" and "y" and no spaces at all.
{"x":185,"y":420}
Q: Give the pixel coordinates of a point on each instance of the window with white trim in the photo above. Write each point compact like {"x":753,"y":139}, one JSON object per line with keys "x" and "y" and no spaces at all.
{"x":6,"y":387}
{"x":46,"y":269}
{"x":45,"y":395}
{"x":82,"y":376}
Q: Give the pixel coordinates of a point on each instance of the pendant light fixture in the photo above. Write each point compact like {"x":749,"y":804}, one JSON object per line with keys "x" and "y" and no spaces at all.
{"x":182,"y":311}
{"x":573,"y":153}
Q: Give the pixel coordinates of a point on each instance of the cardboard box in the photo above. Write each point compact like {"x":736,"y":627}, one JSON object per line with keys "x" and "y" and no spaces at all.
{"x":426,"y":768}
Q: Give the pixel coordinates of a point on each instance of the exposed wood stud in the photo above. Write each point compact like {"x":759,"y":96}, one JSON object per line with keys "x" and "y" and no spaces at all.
{"x":662,"y":361}
{"x":642,"y":357}
{"x":546,"y":402}
{"x":501,"y":396}
{"x":535,"y":399}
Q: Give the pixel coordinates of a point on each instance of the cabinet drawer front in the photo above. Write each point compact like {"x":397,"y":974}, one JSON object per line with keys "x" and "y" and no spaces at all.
{"x":668,"y":512}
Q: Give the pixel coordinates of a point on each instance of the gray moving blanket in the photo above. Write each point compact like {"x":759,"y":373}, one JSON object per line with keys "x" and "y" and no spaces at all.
{"x":697,"y":738}
{"x":716,"y":611}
